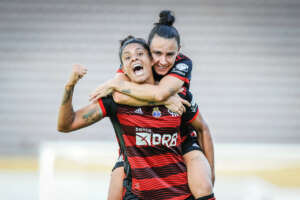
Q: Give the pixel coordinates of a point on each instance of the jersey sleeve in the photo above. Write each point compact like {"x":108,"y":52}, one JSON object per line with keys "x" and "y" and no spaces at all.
{"x":182,"y":70}
{"x":107,"y":106}
{"x":191,"y":112}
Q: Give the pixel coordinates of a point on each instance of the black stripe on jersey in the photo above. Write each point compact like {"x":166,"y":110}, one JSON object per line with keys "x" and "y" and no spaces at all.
{"x":165,"y":192}
{"x":133,"y":151}
{"x":131,"y":130}
{"x":158,"y":172}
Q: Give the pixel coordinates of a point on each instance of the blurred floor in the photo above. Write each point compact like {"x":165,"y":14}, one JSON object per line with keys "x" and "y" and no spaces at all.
{"x":242,"y":173}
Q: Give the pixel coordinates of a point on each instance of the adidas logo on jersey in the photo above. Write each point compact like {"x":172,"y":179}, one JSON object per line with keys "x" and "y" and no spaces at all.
{"x":173,"y":114}
{"x":139,"y":111}
{"x":148,"y":139}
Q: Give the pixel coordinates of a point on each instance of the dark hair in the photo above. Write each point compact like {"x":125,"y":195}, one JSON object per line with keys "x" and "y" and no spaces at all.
{"x":131,"y":39}
{"x":164,"y":28}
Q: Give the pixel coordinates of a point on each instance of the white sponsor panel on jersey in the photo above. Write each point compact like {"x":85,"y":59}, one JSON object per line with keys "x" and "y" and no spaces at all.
{"x":152,"y":139}
{"x":143,"y":139}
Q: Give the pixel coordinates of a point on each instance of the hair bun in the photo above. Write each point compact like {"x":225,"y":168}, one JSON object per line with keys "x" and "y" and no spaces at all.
{"x":166,"y":17}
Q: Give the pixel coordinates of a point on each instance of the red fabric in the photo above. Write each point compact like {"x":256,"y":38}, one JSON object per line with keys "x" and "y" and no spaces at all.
{"x":184,"y":79}
{"x":102,"y":107}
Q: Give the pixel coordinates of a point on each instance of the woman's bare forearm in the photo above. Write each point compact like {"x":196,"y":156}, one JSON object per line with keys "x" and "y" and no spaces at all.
{"x":125,"y":99}
{"x":66,"y":113}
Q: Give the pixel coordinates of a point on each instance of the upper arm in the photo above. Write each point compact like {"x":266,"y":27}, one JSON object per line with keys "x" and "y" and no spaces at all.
{"x":198,"y":123}
{"x":167,"y":87}
{"x":86,"y":116}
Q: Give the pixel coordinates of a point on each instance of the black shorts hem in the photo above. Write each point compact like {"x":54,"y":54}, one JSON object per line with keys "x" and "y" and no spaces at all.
{"x":118,"y":164}
{"x":192,"y":148}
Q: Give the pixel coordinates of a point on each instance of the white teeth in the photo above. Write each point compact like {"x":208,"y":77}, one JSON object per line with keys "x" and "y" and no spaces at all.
{"x":137,"y":65}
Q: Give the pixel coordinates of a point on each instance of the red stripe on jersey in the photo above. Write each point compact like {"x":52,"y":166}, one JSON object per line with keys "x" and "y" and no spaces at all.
{"x":180,"y":57}
{"x":155,"y":161}
{"x":184,"y":91}
{"x":159,"y":183}
{"x":129,"y":140}
{"x":145,"y":151}
{"x":195,"y":116}
{"x":149,"y":121}
{"x":180,"y":77}
{"x":102,"y":107}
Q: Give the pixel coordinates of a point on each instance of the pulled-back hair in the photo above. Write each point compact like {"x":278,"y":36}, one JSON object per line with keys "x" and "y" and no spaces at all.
{"x":129,"y":40}
{"x":164,"y":28}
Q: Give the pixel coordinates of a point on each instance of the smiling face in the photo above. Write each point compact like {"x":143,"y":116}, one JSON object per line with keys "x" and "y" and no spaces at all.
{"x":164,"y":52}
{"x":137,"y":63}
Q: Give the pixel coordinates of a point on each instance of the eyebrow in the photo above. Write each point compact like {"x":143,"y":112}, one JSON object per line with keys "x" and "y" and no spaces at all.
{"x":125,"y":53}
{"x":139,"y":48}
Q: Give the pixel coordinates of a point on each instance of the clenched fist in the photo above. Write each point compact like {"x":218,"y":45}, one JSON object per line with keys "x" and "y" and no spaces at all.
{"x":78,"y":71}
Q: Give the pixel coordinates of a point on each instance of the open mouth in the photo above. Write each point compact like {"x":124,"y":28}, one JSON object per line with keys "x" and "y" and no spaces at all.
{"x":138,"y":69}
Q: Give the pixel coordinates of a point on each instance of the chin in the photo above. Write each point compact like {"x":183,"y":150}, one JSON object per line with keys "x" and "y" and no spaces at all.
{"x":161,"y":72}
{"x":139,"y":80}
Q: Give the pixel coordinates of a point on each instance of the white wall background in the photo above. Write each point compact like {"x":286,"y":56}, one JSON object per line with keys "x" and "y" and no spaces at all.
{"x":246,"y":74}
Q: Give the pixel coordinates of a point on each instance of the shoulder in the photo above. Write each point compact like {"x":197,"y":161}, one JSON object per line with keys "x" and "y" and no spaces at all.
{"x":107,"y":105}
{"x":182,"y":64}
{"x":181,"y":58}
{"x":182,"y":67}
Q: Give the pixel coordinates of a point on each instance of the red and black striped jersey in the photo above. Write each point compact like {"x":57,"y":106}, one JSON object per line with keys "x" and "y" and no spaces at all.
{"x":150,"y":141}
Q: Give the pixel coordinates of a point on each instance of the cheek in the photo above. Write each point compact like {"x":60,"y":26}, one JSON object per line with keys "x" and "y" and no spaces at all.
{"x":172,"y":60}
{"x":155,"y":58}
{"x":125,"y":69}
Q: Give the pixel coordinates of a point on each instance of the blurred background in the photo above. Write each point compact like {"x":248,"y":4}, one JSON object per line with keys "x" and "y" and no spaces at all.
{"x":246,"y":79}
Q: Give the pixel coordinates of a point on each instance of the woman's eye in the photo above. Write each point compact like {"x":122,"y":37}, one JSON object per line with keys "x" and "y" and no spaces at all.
{"x":140,"y":54}
{"x":127,"y":58}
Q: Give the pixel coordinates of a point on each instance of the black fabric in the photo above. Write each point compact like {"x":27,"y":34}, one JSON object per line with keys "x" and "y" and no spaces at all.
{"x":208,"y":197}
{"x":118,"y":164}
{"x":190,"y":144}
{"x":190,"y":198}
{"x":190,"y":111}
{"x":128,"y":194}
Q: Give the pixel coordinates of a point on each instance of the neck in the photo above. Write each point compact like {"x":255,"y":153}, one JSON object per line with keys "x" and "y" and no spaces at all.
{"x":150,"y":80}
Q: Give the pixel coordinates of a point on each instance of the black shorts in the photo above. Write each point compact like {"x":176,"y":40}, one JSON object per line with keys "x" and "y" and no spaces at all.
{"x":119,"y":163}
{"x":190,"y":143}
